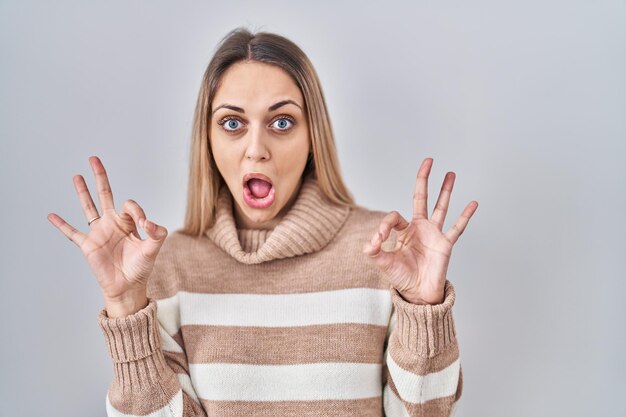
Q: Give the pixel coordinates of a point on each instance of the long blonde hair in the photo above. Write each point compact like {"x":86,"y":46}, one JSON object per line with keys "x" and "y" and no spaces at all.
{"x":205,"y":179}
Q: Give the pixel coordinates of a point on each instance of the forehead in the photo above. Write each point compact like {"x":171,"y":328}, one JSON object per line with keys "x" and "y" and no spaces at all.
{"x":248,"y":84}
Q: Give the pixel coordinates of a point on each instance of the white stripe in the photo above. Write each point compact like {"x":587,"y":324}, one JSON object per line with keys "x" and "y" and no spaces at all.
{"x":187,"y":387}
{"x":355,"y":305}
{"x":418,"y":389}
{"x":318,"y":381}
{"x":173,"y":409}
{"x":392,"y":405}
{"x":168,"y":343}
{"x":168,"y":315}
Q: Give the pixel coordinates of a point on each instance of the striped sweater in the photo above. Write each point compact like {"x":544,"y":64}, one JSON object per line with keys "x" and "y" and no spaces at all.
{"x":294,"y":321}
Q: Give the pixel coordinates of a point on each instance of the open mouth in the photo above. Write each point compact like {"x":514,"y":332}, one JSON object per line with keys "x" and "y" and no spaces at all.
{"x":258,"y":190}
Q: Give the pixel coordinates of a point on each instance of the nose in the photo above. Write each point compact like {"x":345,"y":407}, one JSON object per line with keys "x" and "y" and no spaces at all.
{"x":257,"y":148}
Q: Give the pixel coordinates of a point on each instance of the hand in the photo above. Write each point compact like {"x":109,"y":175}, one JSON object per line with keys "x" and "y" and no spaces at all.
{"x":418,"y":265}
{"x":119,"y":258}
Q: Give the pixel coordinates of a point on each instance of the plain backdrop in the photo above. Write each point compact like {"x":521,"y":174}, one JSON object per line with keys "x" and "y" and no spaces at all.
{"x":525,"y":101}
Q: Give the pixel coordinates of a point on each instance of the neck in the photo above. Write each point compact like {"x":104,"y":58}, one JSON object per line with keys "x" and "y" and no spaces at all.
{"x":307,"y":227}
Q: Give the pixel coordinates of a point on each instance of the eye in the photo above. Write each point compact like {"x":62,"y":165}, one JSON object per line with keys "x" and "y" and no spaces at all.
{"x":283,"y":123}
{"x":230,"y":124}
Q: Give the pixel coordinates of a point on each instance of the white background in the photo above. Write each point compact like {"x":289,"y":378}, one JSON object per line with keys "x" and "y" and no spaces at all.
{"x":525,"y":101}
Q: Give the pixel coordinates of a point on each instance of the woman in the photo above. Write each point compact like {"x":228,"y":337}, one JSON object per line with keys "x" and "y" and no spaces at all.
{"x":276,"y":298}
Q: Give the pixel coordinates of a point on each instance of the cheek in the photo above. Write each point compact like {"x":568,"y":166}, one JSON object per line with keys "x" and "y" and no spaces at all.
{"x":291,"y":161}
{"x":223,"y":158}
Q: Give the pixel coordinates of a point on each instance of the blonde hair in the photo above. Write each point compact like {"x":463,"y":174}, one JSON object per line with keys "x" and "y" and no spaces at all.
{"x":205,"y":179}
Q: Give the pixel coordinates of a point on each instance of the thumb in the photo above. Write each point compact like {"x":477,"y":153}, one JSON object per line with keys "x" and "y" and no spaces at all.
{"x":156,"y":236}
{"x":383,"y":259}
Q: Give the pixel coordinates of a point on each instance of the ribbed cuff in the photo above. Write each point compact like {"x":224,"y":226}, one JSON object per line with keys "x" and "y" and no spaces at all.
{"x":132,"y":337}
{"x":425,"y":330}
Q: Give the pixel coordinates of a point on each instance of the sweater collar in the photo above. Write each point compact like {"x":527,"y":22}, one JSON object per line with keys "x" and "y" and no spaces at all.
{"x":308,"y":226}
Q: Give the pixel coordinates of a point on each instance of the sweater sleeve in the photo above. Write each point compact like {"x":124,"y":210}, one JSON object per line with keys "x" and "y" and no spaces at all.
{"x":421,"y":373}
{"x":151,"y":372}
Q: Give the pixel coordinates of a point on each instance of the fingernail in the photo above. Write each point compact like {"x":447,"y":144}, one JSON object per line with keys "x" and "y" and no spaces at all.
{"x":374,"y":239}
{"x":141,"y":223}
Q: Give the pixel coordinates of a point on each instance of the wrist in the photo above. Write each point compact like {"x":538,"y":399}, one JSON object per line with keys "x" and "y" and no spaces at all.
{"x":125,"y":306}
{"x":422,"y":298}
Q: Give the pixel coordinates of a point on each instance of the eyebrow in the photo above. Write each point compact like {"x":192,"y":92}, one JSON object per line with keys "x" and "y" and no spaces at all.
{"x":270,"y":108}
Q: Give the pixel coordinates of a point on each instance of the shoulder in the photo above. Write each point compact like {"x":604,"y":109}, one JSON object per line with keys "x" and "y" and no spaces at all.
{"x":177,"y":243}
{"x":362,"y":217}
{"x":363,"y":223}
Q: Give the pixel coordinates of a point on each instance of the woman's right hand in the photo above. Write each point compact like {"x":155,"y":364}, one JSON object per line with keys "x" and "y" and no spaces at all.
{"x":120,"y":259}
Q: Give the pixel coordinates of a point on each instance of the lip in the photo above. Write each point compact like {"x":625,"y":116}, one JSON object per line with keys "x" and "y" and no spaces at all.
{"x":258,"y":175}
{"x":253,"y":202}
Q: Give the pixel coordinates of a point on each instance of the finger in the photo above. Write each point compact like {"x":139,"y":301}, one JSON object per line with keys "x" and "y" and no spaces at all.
{"x":68,"y":230}
{"x":86,"y":202}
{"x":441,"y":207}
{"x":156,"y":236}
{"x":105,"y":194}
{"x":392,"y":220}
{"x":459,"y":227}
{"x":420,"y":196}
{"x":135,"y":211}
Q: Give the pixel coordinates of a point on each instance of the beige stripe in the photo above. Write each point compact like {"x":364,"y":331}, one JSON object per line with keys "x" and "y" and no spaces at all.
{"x":436,"y":407}
{"x":178,"y":338}
{"x":370,"y":407}
{"x":133,"y":395}
{"x":393,"y":405}
{"x":344,"y":342}
{"x":411,"y":362}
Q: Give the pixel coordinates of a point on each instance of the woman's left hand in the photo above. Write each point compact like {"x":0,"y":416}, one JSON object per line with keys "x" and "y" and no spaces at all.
{"x":418,"y":265}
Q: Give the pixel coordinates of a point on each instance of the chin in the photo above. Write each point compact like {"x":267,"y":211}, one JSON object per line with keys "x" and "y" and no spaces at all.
{"x":258,"y":215}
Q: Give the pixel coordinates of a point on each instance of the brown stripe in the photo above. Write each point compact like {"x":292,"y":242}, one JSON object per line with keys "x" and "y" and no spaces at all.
{"x":142,"y":387}
{"x":191,"y":408}
{"x":178,"y":338}
{"x":319,"y":271}
{"x":177,"y":361}
{"x":419,"y":364}
{"x":369,"y":407}
{"x":343,"y":342}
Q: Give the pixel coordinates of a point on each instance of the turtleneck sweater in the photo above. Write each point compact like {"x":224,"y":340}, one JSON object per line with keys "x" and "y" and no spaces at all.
{"x":292,"y":321}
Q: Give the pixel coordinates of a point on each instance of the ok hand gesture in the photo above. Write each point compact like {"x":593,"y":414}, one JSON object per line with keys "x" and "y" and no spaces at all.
{"x":418,"y":265}
{"x":119,"y":258}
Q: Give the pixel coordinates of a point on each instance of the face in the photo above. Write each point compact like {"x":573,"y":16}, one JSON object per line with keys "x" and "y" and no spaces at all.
{"x":259,"y":130}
